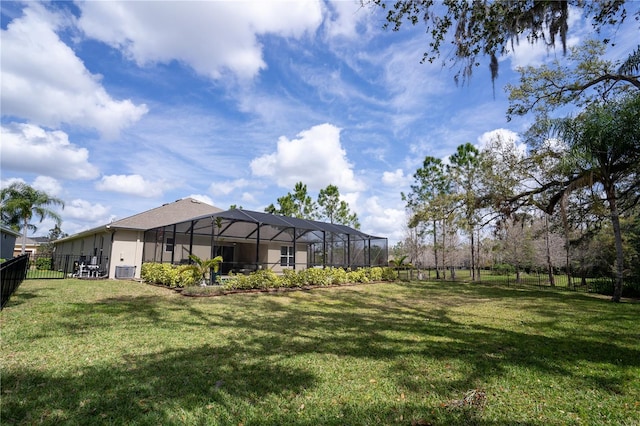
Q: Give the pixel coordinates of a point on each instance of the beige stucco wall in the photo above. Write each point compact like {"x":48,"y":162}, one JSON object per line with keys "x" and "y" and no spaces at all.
{"x":126,"y":250}
{"x":273,"y":257}
{"x":120,"y":247}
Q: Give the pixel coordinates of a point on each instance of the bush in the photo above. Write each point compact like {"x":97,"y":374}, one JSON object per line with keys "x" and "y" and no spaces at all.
{"x":357,"y":276}
{"x":185,"y":276}
{"x":262,"y":279}
{"x":43,"y":263}
{"x":389,"y":274}
{"x":291,"y":279}
{"x":504,"y":269}
{"x":169,"y":275}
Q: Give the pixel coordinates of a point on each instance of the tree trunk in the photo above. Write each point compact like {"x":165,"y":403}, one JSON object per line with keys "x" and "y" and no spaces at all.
{"x":444,"y":250}
{"x":24,"y":236}
{"x":478,"y":256}
{"x":473,"y":258}
{"x":435,"y":249}
{"x":552,"y":280}
{"x":615,"y":222}
{"x":567,"y":241}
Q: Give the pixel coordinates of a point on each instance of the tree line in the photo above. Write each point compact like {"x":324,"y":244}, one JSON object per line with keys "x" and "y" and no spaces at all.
{"x":576,"y":175}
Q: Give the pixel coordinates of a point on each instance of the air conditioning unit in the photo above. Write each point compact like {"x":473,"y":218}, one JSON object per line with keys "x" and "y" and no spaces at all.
{"x":125,"y":272}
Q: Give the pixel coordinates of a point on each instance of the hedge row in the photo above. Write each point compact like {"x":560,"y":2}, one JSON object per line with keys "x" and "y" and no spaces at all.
{"x":182,"y":276}
{"x":168,"y":274}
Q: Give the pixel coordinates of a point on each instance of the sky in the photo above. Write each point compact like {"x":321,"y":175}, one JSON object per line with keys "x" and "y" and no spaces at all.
{"x":117,"y":107}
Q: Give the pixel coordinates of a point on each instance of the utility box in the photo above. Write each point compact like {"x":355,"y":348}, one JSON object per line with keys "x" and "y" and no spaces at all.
{"x":125,"y":272}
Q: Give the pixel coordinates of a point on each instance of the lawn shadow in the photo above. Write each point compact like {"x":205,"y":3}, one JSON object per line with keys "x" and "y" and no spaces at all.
{"x":148,"y":389}
{"x":234,"y":373}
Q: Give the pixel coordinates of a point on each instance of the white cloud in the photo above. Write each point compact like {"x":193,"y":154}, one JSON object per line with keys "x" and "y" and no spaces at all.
{"x":344,"y":18}
{"x":227,"y":187}
{"x":504,"y":140}
{"x":316,"y":158}
{"x":396,"y":178}
{"x":44,"y":81}
{"x":248,"y":198}
{"x":48,"y":184}
{"x":31,"y":149}
{"x":86,"y":211}
{"x":210,"y":37}
{"x":385,"y":222}
{"x":132,"y":185}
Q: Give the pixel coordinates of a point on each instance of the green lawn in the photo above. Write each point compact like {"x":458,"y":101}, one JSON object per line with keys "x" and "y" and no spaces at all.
{"x":119,"y":352}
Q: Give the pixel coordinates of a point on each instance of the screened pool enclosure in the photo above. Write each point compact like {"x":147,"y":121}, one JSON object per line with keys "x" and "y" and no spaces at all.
{"x":249,"y":240}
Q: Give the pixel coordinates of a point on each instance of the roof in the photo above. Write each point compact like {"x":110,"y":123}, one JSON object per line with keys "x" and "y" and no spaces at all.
{"x":167,"y":214}
{"x":7,"y":230}
{"x":240,"y":215}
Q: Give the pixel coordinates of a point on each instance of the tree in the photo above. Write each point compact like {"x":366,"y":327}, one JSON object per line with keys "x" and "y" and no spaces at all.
{"x":55,"y":233}
{"x":580,"y":79}
{"x":494,"y":28}
{"x":465,"y":171}
{"x":299,"y":204}
{"x":604,"y":152}
{"x":334,"y":210}
{"x":202,"y":267}
{"x":21,"y":201}
{"x":430,"y":204}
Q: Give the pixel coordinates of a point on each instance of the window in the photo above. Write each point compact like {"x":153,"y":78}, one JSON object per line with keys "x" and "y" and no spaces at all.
{"x":168,"y":246}
{"x":286,"y":256}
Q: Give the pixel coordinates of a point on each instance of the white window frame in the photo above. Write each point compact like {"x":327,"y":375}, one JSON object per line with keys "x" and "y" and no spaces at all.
{"x":287,"y":256}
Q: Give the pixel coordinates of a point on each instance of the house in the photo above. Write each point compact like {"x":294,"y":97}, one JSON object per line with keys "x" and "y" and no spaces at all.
{"x":32,"y":244}
{"x":247,"y":241}
{"x":118,"y":246}
{"x":8,"y":239}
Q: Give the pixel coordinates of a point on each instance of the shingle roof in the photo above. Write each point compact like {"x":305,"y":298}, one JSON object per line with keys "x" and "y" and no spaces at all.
{"x":167,"y":214}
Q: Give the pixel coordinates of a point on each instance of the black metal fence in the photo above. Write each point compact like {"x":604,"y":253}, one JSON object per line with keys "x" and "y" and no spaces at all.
{"x":12,"y":273}
{"x":540,"y":279}
{"x":52,"y":266}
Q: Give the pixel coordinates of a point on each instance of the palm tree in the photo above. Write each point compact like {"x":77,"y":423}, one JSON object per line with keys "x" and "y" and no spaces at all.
{"x":604,"y":153}
{"x":20,"y":202}
{"x":202,"y":267}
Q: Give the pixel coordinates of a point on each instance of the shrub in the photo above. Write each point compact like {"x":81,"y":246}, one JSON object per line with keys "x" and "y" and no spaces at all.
{"x":389,"y":274}
{"x":316,"y":276}
{"x":504,"y":269}
{"x":43,"y":263}
{"x":292,"y":278}
{"x":337,"y":276}
{"x":357,"y":276}
{"x":167,"y":274}
{"x":262,"y":279}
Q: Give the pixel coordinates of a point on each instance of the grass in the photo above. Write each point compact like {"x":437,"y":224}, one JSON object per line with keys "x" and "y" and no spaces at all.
{"x":117,"y":352}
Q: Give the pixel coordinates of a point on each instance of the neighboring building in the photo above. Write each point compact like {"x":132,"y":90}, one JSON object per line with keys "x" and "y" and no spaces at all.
{"x":246,"y":240}
{"x":8,"y":239}
{"x":31,"y":247}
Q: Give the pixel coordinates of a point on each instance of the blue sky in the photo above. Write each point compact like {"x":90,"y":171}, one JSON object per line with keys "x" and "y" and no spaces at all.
{"x":118,"y":107}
